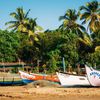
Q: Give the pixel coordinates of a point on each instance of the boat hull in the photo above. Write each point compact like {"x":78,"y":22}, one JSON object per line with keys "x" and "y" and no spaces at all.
{"x":10,"y":81}
{"x":72,"y":80}
{"x":27,"y":78}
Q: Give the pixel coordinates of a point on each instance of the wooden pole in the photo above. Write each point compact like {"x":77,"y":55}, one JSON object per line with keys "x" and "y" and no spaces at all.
{"x":64,"y":69}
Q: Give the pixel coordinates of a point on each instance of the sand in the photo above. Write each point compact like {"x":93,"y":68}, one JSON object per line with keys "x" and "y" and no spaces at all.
{"x":48,"y":93}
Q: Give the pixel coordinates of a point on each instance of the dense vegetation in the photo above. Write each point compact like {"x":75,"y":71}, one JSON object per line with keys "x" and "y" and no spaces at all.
{"x":45,"y":50}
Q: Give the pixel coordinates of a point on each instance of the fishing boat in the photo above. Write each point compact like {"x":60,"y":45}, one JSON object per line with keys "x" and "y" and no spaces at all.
{"x":10,"y":79}
{"x":27,"y":78}
{"x":72,"y":80}
{"x":93,"y":76}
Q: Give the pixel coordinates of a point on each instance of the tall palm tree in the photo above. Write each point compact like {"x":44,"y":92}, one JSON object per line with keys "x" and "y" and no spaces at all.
{"x":24,"y":24}
{"x":21,"y":19}
{"x":69,"y":23}
{"x":91,"y":15}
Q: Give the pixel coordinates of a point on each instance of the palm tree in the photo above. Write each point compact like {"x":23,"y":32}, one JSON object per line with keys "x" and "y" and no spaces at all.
{"x":69,"y":23}
{"x":24,"y":24}
{"x":91,"y":15}
{"x":88,"y":45}
{"x":19,"y":24}
{"x":32,"y":26}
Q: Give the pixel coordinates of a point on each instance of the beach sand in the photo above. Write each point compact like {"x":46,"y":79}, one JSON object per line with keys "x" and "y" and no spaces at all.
{"x":48,"y":93}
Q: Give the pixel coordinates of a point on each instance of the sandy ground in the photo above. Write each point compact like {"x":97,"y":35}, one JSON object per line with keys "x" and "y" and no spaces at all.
{"x":48,"y":93}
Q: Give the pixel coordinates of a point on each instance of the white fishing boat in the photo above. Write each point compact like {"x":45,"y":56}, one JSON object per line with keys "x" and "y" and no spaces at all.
{"x":72,"y":80}
{"x":93,"y":76}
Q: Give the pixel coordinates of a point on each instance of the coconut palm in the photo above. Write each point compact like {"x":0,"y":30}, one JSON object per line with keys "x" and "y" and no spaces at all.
{"x":20,"y":20}
{"x":69,"y":23}
{"x":85,"y":44}
{"x":32,"y":26}
{"x":88,"y":45}
{"x":91,"y":15}
{"x":23,"y":24}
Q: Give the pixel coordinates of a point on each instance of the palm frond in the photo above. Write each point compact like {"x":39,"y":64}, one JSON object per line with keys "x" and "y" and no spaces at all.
{"x":20,"y":13}
{"x":38,"y":28}
{"x":84,"y":22}
{"x":82,"y":28}
{"x":27,"y":14}
{"x":93,"y":5}
{"x":84,"y":8}
{"x":62,"y":18}
{"x":14,"y":15}
{"x":11,"y":22}
{"x":97,"y":48}
{"x":84,"y":15}
{"x":86,"y":41}
{"x":11,"y":26}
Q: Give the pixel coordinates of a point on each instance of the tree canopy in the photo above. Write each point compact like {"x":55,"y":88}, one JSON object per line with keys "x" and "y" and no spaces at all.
{"x":70,"y":40}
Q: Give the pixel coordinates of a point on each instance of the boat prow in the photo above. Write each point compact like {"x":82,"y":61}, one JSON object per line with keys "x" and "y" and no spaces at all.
{"x":93,"y":76}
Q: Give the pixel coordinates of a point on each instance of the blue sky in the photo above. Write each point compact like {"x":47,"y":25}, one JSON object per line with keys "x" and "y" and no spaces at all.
{"x":47,"y":12}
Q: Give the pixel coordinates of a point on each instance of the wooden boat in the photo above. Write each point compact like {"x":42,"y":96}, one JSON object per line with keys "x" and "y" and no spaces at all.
{"x":27,"y":78}
{"x":10,"y":79}
{"x":72,"y":80}
{"x":93,"y":76}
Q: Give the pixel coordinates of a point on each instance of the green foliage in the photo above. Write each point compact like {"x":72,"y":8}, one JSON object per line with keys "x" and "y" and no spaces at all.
{"x":54,"y":60}
{"x":28,"y":51}
{"x":9,"y":44}
{"x":69,"y":49}
{"x":58,"y":44}
{"x":93,"y":59}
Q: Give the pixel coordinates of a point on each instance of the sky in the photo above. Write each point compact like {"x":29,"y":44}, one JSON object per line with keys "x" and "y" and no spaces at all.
{"x":47,"y":12}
